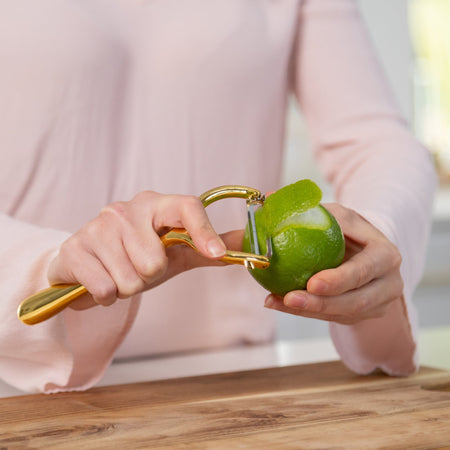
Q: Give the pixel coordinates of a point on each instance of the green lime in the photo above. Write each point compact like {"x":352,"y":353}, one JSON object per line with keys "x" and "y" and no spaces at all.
{"x":305,"y":237}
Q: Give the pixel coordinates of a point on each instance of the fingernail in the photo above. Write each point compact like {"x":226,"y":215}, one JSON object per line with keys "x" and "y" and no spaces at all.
{"x":295,"y":301}
{"x":215,"y":248}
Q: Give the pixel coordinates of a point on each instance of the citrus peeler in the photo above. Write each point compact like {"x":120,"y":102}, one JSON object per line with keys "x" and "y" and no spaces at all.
{"x":48,"y":302}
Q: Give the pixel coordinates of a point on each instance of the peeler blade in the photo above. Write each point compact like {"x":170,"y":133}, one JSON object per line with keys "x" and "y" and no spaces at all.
{"x":254,"y":245}
{"x":253,"y":236}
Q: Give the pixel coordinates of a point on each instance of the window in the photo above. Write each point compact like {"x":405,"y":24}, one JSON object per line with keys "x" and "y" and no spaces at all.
{"x":430,"y":25}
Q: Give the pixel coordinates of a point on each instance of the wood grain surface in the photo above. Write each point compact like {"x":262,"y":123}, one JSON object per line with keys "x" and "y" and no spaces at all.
{"x":317,"y":406}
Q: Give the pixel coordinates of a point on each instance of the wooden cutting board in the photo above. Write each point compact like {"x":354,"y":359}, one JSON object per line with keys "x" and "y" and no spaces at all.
{"x":299,"y":407}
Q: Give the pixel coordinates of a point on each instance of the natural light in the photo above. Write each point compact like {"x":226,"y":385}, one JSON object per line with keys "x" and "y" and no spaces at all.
{"x":430,"y":21}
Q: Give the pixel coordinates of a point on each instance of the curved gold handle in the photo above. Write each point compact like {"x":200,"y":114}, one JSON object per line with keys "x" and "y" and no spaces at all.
{"x":48,"y":302}
{"x":231,"y":191}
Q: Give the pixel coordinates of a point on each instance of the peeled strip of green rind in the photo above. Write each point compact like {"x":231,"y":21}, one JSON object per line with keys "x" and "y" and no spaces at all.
{"x":314,"y":218}
{"x":300,"y":196}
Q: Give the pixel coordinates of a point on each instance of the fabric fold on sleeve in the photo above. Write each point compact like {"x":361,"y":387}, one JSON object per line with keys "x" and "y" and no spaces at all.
{"x":68,"y":351}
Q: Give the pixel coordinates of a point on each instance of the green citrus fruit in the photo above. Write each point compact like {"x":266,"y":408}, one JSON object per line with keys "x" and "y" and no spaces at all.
{"x":305,"y":237}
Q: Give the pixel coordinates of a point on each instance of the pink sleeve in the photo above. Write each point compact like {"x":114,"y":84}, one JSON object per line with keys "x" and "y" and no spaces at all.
{"x":46,"y":357}
{"x":376,"y":166}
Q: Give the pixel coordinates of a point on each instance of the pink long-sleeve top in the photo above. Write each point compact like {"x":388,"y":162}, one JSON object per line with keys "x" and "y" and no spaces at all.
{"x":100,"y":99}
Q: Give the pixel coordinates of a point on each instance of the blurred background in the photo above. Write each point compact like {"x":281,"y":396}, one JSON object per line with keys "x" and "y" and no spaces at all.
{"x":412,"y":39}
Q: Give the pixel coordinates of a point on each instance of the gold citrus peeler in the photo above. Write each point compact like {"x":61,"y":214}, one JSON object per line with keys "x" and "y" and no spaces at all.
{"x":45,"y":304}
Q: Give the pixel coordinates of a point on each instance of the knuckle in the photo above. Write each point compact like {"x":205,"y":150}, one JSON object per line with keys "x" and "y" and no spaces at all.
{"x":205,"y":231}
{"x":153,"y":269}
{"x":190,"y":203}
{"x":360,"y":306}
{"x":71,"y":247}
{"x":145,"y":197}
{"x":129,"y":288}
{"x":117,"y":210}
{"x":322,"y":306}
{"x":105,"y":293}
{"x":95,"y":228}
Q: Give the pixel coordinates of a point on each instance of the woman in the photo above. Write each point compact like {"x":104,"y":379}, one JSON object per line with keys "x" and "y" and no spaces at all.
{"x":105,"y":101}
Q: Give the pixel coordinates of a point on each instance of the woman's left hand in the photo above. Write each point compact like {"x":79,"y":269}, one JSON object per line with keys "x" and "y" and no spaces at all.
{"x":362,"y":287}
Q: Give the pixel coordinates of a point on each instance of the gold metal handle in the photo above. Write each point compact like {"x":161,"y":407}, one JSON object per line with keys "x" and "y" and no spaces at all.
{"x":48,"y":302}
{"x":231,"y":191}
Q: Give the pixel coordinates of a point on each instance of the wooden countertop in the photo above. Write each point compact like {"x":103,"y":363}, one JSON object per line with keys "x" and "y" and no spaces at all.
{"x":321,"y":405}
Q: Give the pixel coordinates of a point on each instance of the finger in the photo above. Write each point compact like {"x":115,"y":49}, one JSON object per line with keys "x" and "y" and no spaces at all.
{"x":375,"y":260}
{"x":183,"y":258}
{"x":133,"y":258}
{"x":147,"y":255}
{"x":83,"y":302}
{"x":91,"y":273}
{"x":358,"y":304}
{"x":276,"y":303}
{"x":130,"y":247}
{"x":353,"y":224}
{"x":188,"y":212}
{"x":232,"y":240}
{"x":120,"y":268}
{"x":201,"y":231}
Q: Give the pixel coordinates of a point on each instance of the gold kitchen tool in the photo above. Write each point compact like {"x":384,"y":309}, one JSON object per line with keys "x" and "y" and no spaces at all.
{"x":45,"y":304}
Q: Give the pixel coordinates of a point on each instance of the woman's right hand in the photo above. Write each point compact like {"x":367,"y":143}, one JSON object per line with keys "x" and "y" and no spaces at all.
{"x":119,"y":253}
